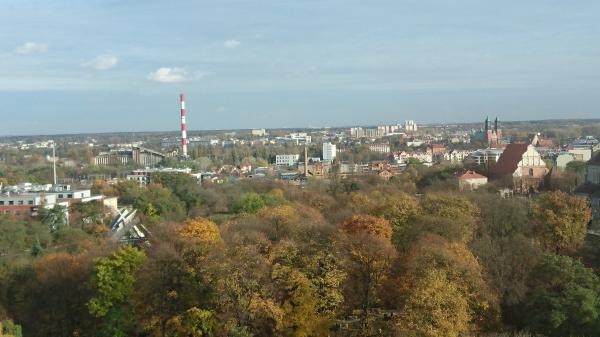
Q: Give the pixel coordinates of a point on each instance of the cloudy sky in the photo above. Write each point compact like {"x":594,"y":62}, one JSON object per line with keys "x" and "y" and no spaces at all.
{"x":118,"y":65}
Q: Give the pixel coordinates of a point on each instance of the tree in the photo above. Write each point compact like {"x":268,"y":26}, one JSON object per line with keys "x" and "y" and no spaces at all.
{"x":365,"y":244}
{"x":560,"y":221}
{"x":564,"y":299}
{"x":9,"y":329}
{"x":435,"y":307}
{"x":461,"y":270}
{"x":114,"y":280}
{"x":193,"y":323}
{"x":54,"y":217}
{"x":202,"y":231}
{"x":250,"y":203}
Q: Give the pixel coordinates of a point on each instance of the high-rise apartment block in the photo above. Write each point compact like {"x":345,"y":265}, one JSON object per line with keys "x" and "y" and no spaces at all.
{"x":329,"y":151}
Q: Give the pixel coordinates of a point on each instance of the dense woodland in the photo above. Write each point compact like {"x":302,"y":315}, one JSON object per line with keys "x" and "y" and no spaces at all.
{"x":411,"y":256}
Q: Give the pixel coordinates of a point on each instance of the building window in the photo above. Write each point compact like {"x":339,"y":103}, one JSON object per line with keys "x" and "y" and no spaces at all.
{"x":30,"y":202}
{"x":1,"y":203}
{"x":60,"y":196}
{"x":20,"y":202}
{"x":531,"y":172}
{"x":70,"y":196}
{"x":11,"y":202}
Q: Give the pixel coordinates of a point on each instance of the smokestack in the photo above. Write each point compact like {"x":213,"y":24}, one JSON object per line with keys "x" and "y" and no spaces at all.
{"x":183,"y":128}
{"x":54,"y":161}
{"x":305,"y":161}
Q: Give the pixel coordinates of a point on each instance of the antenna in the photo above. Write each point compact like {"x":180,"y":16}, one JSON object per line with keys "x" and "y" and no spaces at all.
{"x":183,"y":128}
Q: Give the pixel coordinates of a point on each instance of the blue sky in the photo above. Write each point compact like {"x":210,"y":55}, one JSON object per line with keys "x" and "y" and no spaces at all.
{"x":118,"y":65}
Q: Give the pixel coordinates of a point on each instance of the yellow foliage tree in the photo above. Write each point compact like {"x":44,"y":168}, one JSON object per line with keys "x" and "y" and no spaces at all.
{"x":202,"y":231}
{"x":460,"y":266}
{"x":560,"y":220}
{"x":435,"y":307}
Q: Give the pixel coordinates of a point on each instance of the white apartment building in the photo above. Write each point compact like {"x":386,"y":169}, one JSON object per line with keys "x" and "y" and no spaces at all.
{"x":329,"y":151}
{"x":287,"y":159}
{"x":380,"y":147}
{"x":410,"y":125}
{"x":259,"y":132}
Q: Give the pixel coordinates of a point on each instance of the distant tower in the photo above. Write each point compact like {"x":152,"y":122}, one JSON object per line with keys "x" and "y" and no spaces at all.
{"x":487,"y":123}
{"x":305,"y":161}
{"x":54,"y":162}
{"x":183,"y":128}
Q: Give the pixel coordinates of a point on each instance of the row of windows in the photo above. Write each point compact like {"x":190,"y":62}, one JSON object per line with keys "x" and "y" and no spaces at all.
{"x":12,"y":202}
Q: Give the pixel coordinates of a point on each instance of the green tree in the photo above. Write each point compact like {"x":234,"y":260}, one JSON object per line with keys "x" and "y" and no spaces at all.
{"x":9,"y":329}
{"x":194,"y":322}
{"x":54,"y":217}
{"x":114,"y":280}
{"x":250,"y":203}
{"x":564,"y":299}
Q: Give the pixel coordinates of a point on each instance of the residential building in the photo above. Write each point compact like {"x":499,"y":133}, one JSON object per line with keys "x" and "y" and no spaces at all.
{"x":410,"y":126}
{"x":471,"y":180}
{"x":329,"y":151}
{"x":581,"y":154}
{"x":287,"y":159}
{"x":379,"y":147}
{"x":259,"y":132}
{"x":587,"y":142}
{"x":485,"y":156}
{"x":457,"y":156}
{"x":563,"y":159}
{"x":593,"y":170}
{"x":521,"y":166}
{"x":137,"y":155}
{"x":144,"y":176}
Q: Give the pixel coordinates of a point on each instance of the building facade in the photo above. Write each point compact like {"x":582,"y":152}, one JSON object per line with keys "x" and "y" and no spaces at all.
{"x":287,"y":159}
{"x":329,"y":151}
{"x":523,"y":166}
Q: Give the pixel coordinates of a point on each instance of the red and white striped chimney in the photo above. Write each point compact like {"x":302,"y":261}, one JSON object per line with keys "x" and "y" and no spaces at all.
{"x":183,"y":127}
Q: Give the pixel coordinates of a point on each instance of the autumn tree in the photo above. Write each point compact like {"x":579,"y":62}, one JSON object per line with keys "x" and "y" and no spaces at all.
{"x":202,"y":231}
{"x":114,"y":281}
{"x":435,"y":307}
{"x":434,"y":262}
{"x":365,"y":244}
{"x":560,"y":221}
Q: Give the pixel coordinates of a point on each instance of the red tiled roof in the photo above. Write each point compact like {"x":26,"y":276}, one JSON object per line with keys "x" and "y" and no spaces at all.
{"x":438,"y":146}
{"x":471,"y":175}
{"x":545,"y":142}
{"x":510,"y":158}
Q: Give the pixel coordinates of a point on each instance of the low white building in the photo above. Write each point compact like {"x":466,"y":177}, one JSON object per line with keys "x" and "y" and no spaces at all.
{"x":259,"y":132}
{"x":581,"y":154}
{"x":381,"y":147}
{"x":457,"y":156}
{"x":287,"y":159}
{"x":470,"y":181}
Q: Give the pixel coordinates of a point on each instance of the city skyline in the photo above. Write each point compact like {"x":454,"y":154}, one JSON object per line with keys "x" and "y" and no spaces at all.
{"x":100,"y":66}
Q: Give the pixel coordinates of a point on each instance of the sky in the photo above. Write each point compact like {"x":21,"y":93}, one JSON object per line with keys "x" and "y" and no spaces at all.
{"x":119,"y":65}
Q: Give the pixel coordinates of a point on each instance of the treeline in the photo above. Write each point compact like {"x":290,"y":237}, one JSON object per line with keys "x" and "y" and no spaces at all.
{"x":405,"y":257}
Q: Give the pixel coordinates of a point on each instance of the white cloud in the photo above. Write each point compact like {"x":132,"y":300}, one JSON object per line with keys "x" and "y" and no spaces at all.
{"x":32,"y":48}
{"x":102,"y":62}
{"x":168,"y":75}
{"x":232,"y":44}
